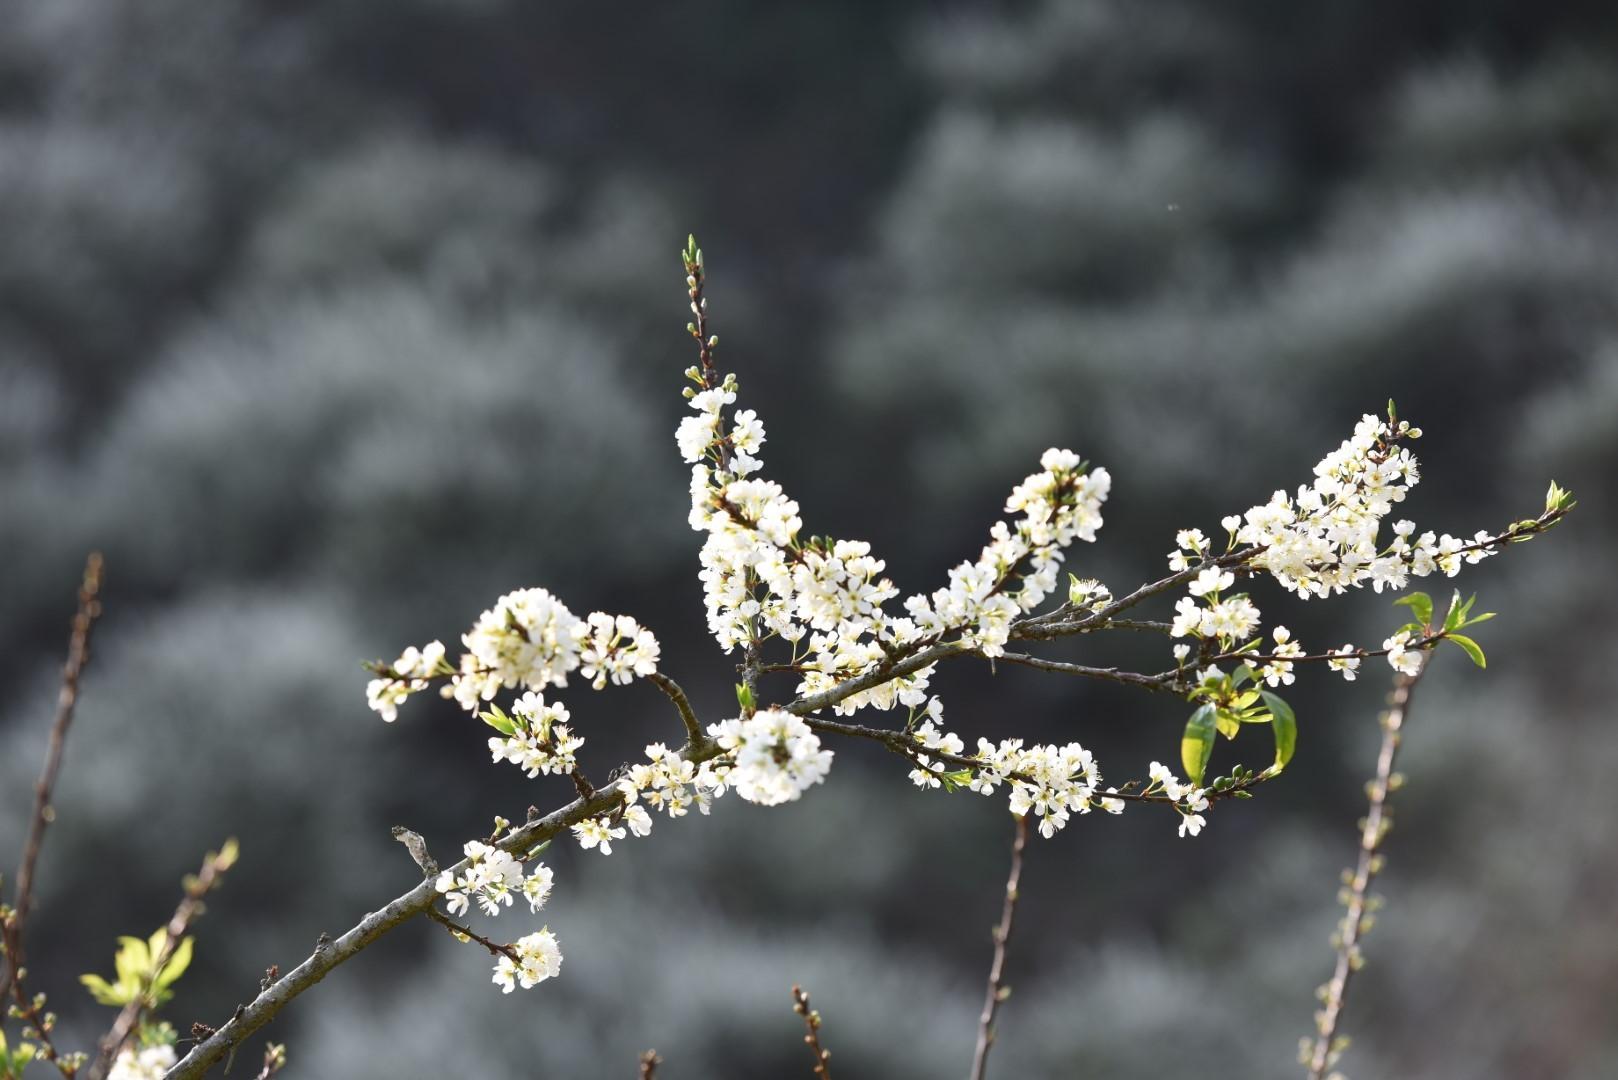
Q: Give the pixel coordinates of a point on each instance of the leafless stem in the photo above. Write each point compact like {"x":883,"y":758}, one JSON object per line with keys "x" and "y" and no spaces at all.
{"x":78,"y":654}
{"x":811,"y":1023}
{"x":997,"y":992}
{"x":688,"y":716}
{"x":649,"y":1061}
{"x":468,"y":934}
{"x":190,"y":909}
{"x":1322,"y":1053}
{"x":1129,"y":678}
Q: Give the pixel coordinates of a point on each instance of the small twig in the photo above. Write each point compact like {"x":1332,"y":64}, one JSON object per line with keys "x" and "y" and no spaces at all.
{"x":190,"y":908}
{"x":417,"y":847}
{"x":1129,"y":678}
{"x":1002,"y":935}
{"x":688,"y":716}
{"x":468,"y":934}
{"x":78,"y":654}
{"x":649,"y":1061}
{"x":1323,"y":1051}
{"x":811,"y":1023}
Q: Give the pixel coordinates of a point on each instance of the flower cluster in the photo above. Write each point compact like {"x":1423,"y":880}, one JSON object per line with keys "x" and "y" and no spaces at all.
{"x":1051,"y":782}
{"x":759,"y":579}
{"x":1324,"y":541}
{"x":1188,"y":799}
{"x":143,"y":1062}
{"x":1278,"y":671}
{"x":1321,"y":542}
{"x":1405,"y":660}
{"x":668,"y":782}
{"x":1017,"y":570}
{"x":617,"y":649}
{"x":774,"y":756}
{"x":537,"y":740}
{"x":489,"y":877}
{"x":528,"y":639}
{"x":492,"y":878}
{"x":405,"y":676}
{"x":1227,"y":620}
{"x":600,"y":832}
{"x":539,"y":957}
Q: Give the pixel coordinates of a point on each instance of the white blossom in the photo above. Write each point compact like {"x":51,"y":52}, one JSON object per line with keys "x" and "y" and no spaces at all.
{"x":529,"y":639}
{"x":617,"y":648}
{"x":539,"y":957}
{"x":775,"y":757}
{"x":1348,"y":665}
{"x":543,"y":742}
{"x":406,"y":675}
{"x":142,"y":1063}
{"x":1279,"y":671}
{"x":489,"y":877}
{"x":536,"y":887}
{"x":1404,"y":660}
{"x":597,"y":833}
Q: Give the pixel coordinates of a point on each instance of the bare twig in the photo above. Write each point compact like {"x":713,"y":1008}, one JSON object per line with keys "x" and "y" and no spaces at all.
{"x":78,"y":654}
{"x":190,"y":909}
{"x":649,"y":1061}
{"x":811,"y":1023}
{"x":1322,"y":1052}
{"x":1129,"y":678}
{"x":688,"y":716}
{"x":465,"y":933}
{"x":997,"y":991}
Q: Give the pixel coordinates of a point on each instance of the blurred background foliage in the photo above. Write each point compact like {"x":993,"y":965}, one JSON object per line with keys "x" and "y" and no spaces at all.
{"x":329,"y":323}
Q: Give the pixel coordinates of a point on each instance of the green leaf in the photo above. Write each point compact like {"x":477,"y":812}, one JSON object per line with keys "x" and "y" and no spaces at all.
{"x":104,"y":992}
{"x":744,"y":697}
{"x":1227,"y":723}
{"x":176,"y":965}
{"x":496,"y":718}
{"x":1285,"y":724}
{"x":1420,"y":605}
{"x":134,"y":960}
{"x":1457,"y":611}
{"x":1470,"y":647}
{"x":1196,"y":745}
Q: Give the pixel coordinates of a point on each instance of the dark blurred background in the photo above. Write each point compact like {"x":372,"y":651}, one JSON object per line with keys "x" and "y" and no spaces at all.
{"x":329,"y":323}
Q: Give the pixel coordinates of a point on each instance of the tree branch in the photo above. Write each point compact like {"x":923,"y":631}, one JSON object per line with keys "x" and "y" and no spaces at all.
{"x":78,"y":654}
{"x":1327,"y":1046}
{"x":811,"y":1023}
{"x":694,"y":734}
{"x":1158,"y":683}
{"x":329,"y":954}
{"x":1002,"y":936}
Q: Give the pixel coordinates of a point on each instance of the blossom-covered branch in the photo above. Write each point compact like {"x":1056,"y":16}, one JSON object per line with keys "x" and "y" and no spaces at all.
{"x":837,"y":624}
